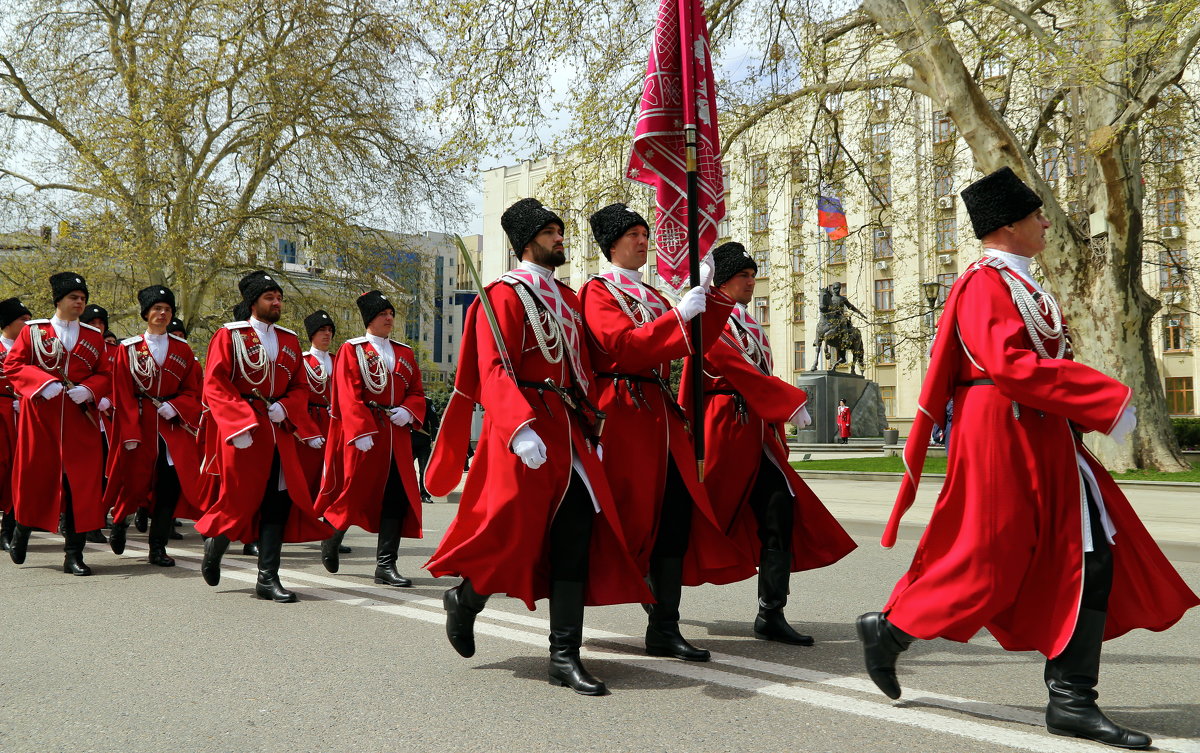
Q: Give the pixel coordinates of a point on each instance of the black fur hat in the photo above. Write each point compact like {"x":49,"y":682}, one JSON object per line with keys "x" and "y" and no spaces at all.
{"x":371,"y":304}
{"x":149,"y":296}
{"x":613,"y":221}
{"x":729,"y":259}
{"x":62,"y":283}
{"x":176,"y":326}
{"x":998,"y":199}
{"x":524,"y":220}
{"x":92,"y":311}
{"x":11,"y":309}
{"x":255,"y":284}
{"x":316,"y":320}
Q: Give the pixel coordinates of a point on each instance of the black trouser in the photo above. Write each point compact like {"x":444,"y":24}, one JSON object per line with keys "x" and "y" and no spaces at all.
{"x":571,"y":534}
{"x":166,"y":495}
{"x":276,"y":504}
{"x":1098,"y":563}
{"x":421,"y":449}
{"x":773,"y":507}
{"x":675,"y":517}
{"x":395,"y":499}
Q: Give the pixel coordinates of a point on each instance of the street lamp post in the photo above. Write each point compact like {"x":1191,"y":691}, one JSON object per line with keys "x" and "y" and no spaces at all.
{"x":932,"y":289}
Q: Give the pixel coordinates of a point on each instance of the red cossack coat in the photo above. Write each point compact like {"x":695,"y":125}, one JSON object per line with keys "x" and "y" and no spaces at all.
{"x":1004,"y":547}
{"x":645,"y":427}
{"x":735,"y":447}
{"x":8,"y":435}
{"x":56,"y":436}
{"x":176,"y":381}
{"x":843,"y":421}
{"x":352,"y":492}
{"x":499,"y":538}
{"x":318,"y":410}
{"x":234,"y":481}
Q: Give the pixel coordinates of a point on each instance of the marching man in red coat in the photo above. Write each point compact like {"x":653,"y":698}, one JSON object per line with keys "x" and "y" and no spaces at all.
{"x":378,"y":401}
{"x":536,"y":518}
{"x":13,"y":316}
{"x":59,"y":368}
{"x":633,"y":335}
{"x":156,"y":404}
{"x":318,"y":369}
{"x":257,"y":397}
{"x":760,"y":501}
{"x":1030,"y":538}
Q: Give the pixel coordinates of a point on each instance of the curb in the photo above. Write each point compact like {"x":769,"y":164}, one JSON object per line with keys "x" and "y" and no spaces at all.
{"x":1174,"y":486}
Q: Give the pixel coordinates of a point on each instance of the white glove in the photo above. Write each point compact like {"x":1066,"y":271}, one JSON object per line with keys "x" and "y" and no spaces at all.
{"x":400,"y":416}
{"x":16,"y":406}
{"x":529,"y":447}
{"x":242,"y":441}
{"x":51,"y":391}
{"x":1125,"y":424}
{"x":131,"y":444}
{"x":79,"y":394}
{"x":707,"y":272}
{"x":167,"y":411}
{"x":600,"y":452}
{"x":316,"y":442}
{"x":276,"y":413}
{"x":692,"y":303}
{"x":364,"y":443}
{"x":104,"y":404}
{"x":800,"y":418}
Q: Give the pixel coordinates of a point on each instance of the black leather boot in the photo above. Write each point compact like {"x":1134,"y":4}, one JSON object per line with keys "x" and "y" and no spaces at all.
{"x":210,"y":566}
{"x":140,"y":519}
{"x":19,"y":544}
{"x":250,"y":549}
{"x":462,"y":604}
{"x":162,"y":525}
{"x":882,"y":643}
{"x":270,"y":546}
{"x":330,"y":548}
{"x":566,"y":638}
{"x":774,"y":572}
{"x":6,"y":531}
{"x":662,"y":632}
{"x":1071,"y":678}
{"x":96,"y":537}
{"x":73,"y":547}
{"x":116,"y":536}
{"x":385,"y":554}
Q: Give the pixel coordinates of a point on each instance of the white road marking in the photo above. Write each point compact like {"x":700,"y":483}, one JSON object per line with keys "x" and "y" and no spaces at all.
{"x":384,"y":599}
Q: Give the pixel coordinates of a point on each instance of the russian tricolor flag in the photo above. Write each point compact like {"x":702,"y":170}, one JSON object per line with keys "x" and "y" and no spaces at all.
{"x":831,"y":217}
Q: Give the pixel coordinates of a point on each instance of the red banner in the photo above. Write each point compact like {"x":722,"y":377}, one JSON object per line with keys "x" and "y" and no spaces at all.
{"x":680,"y":92}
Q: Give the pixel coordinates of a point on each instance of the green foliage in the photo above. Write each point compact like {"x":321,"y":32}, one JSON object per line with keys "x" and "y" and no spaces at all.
{"x":1187,"y":432}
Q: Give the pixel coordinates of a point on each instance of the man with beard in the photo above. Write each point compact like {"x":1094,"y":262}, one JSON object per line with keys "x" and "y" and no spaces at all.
{"x":59,"y":368}
{"x":257,"y":397}
{"x":156,"y":403}
{"x":378,"y":401}
{"x":536,"y":518}
{"x":13,"y":316}
{"x":760,"y":500}
{"x":633,"y":335}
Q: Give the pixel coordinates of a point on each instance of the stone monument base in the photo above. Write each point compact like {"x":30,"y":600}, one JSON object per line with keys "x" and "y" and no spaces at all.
{"x":825,"y":388}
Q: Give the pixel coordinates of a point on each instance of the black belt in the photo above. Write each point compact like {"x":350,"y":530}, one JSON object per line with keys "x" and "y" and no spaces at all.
{"x":739,"y":403}
{"x":626,"y":377}
{"x":979,"y":383}
{"x":574,"y":402}
{"x":318,"y":405}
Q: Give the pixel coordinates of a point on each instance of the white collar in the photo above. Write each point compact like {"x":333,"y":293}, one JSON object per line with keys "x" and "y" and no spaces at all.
{"x":259,"y":325}
{"x":545,"y":272}
{"x":151,"y":336}
{"x":7,"y":343}
{"x":741,"y":307}
{"x":62,"y":322}
{"x":376,"y":339}
{"x":314,"y":350}
{"x":1019,"y":264}
{"x":633,"y":274}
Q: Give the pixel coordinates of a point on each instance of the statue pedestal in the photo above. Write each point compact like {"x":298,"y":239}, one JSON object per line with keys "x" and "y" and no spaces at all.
{"x":825,"y":388}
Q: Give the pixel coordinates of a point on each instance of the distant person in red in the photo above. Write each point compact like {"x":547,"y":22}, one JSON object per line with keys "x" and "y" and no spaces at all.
{"x":13,"y":316}
{"x":843,"y":421}
{"x":60,"y":369}
{"x":1030,"y":538}
{"x":318,"y":368}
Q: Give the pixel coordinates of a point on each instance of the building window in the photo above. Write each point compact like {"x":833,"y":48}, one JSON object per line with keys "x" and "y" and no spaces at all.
{"x":725,"y":179}
{"x":762,"y":310}
{"x":1181,"y":397}
{"x":881,"y":190}
{"x":885,"y":348}
{"x":946,"y":281}
{"x":797,"y":167}
{"x":881,"y":139}
{"x":943,"y":128}
{"x":880,"y":97}
{"x":287,"y":251}
{"x":798,"y":307}
{"x":1172,"y":269}
{"x":888,"y":396}
{"x":882,"y":242}
{"x":947,"y":235}
{"x":884,"y":300}
{"x":995,"y":67}
{"x":723,"y":228}
{"x":1076,"y":165}
{"x":761,"y":221}
{"x":1171,"y":209}
{"x":831,"y":150}
{"x":943,"y":181}
{"x":798,"y":356}
{"x":1050,"y":159}
{"x":797,"y":219}
{"x":758,"y":172}
{"x":1170,"y":145}
{"x":797,"y":260}
{"x":833,"y":101}
{"x":834,"y":252}
{"x":1177,"y":332}
{"x":763,"y":260}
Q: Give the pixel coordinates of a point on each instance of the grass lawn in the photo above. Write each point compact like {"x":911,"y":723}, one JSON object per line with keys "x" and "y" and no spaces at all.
{"x":938,"y":465}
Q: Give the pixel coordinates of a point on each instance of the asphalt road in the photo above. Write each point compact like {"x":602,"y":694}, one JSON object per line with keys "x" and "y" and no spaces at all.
{"x":138,"y":658}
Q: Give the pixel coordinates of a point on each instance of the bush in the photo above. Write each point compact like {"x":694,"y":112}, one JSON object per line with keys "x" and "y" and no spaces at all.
{"x":1187,"y":432}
